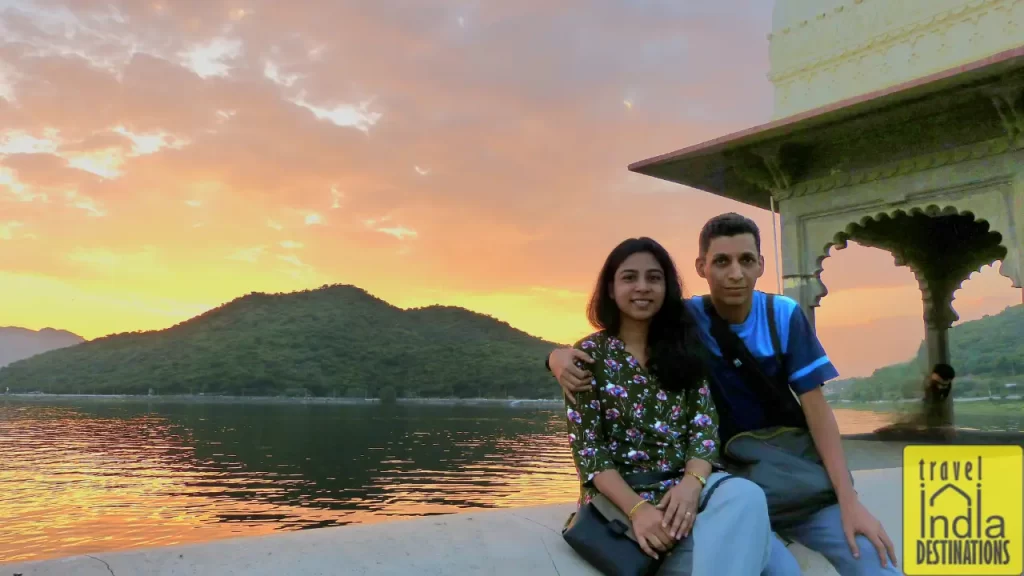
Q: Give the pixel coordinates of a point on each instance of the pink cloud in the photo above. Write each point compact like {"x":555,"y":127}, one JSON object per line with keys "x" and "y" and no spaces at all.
{"x":515,"y":113}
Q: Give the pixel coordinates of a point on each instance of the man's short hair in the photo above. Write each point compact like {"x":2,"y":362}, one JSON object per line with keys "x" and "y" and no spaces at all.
{"x":728,"y":224}
{"x":944,"y":371}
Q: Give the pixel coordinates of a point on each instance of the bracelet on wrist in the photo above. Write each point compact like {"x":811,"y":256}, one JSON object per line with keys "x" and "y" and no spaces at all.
{"x":635,"y":508}
{"x":700,"y":479}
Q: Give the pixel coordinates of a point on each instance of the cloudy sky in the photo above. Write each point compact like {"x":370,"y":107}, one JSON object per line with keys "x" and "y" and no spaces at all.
{"x":159,"y":158}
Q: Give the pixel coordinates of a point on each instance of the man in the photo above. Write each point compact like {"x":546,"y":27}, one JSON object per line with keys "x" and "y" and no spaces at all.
{"x":730,"y":260}
{"x":937,"y":388}
{"x":939,"y":383}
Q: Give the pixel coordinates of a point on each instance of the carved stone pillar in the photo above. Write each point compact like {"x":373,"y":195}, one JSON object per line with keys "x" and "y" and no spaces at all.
{"x":1008,"y":217}
{"x":937,"y":290}
{"x":800,"y":274}
{"x":937,"y":287}
{"x":1013,"y":264}
{"x":803,"y":289}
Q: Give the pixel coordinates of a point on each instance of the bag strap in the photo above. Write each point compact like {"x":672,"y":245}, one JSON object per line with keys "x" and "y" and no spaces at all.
{"x":735,"y":352}
{"x":776,"y":342}
{"x":710,"y":491}
{"x":782,"y":375}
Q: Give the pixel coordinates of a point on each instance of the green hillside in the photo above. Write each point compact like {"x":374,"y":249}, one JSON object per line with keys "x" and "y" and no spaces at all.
{"x":333,"y":341}
{"x":987,"y":354}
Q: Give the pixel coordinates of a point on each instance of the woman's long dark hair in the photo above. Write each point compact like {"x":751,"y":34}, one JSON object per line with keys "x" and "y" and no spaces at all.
{"x":676,"y":352}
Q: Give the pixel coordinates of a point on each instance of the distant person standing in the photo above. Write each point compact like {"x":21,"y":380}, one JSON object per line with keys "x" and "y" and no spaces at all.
{"x":937,"y":387}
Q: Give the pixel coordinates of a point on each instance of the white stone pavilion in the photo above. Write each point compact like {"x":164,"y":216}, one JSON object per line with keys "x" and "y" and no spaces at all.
{"x":898,"y":125}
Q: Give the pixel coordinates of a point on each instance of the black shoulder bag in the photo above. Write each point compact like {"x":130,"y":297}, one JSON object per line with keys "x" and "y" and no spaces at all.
{"x":782,"y":459}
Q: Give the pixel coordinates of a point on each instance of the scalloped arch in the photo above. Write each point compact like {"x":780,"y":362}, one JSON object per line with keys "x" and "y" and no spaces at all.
{"x":841,"y":240}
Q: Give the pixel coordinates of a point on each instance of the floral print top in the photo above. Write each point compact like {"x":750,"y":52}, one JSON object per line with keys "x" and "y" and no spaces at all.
{"x":627,"y":422}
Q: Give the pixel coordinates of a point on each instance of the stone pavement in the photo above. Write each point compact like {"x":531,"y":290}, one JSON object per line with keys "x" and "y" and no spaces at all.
{"x":503,"y":542}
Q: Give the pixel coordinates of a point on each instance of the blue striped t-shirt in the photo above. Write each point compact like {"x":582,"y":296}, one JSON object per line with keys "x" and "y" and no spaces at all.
{"x":809,"y":365}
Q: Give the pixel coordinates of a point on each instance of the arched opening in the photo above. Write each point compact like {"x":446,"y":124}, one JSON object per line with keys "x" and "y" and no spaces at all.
{"x":987,"y":344}
{"x":870,"y":320}
{"x":872,"y":325}
{"x":871,"y":316}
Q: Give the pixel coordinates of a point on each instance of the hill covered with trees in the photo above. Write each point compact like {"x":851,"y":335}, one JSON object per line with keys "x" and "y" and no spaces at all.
{"x":333,"y":341}
{"x":987,"y":354}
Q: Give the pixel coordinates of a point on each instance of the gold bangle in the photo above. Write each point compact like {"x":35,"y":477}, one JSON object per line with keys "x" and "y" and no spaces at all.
{"x":636,"y":507}
{"x":703,"y":481}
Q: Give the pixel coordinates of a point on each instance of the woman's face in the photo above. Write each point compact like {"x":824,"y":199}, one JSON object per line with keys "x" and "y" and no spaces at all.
{"x":639,"y":287}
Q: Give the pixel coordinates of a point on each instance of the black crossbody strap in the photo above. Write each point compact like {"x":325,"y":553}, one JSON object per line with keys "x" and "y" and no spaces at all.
{"x":776,"y":343}
{"x":782,"y":376}
{"x":735,"y":352}
{"x":710,"y":491}
{"x":769,"y":390}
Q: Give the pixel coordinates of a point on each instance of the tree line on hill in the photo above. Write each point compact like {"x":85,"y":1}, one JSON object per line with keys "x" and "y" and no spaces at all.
{"x":987,"y":354}
{"x":339,"y":341}
{"x":333,"y":341}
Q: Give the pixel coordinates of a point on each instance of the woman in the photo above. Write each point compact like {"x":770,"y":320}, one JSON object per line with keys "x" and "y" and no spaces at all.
{"x":645,"y":435}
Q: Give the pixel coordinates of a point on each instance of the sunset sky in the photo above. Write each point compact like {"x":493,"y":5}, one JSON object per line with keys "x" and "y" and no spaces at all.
{"x":158,"y":159}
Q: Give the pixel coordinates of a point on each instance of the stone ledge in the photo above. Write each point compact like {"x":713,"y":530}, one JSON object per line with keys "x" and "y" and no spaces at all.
{"x":501,"y":542}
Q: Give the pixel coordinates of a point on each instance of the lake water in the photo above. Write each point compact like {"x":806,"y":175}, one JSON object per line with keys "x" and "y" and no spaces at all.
{"x":87,"y":476}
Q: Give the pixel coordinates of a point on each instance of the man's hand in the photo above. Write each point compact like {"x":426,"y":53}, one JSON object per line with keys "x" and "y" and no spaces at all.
{"x":857,"y":520}
{"x":570,"y":377}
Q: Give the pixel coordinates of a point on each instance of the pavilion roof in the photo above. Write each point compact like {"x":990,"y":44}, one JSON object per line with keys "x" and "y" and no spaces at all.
{"x":939,"y":111}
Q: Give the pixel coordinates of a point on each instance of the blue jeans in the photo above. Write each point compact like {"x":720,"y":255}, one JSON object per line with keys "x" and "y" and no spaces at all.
{"x":823,"y":533}
{"x":731,"y":537}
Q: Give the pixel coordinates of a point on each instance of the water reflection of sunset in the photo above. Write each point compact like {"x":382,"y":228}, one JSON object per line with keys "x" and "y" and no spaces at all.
{"x":103,"y":477}
{"x":860,"y":421}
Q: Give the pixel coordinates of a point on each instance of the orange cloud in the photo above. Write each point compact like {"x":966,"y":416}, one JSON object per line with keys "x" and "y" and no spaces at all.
{"x":160,"y":158}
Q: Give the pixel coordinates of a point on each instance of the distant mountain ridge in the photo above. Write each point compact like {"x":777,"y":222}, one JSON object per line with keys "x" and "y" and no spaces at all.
{"x":337,"y":340}
{"x":20,"y":343}
{"x":986,"y":353}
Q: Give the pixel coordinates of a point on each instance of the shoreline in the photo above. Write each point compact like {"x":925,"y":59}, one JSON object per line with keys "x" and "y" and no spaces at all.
{"x":190,"y":398}
{"x":967,"y":407}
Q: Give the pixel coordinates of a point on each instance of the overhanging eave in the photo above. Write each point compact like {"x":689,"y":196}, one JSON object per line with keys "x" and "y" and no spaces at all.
{"x":746,"y":165}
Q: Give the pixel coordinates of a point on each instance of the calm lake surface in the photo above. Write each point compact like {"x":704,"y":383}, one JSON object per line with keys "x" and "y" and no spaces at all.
{"x":86,"y":476}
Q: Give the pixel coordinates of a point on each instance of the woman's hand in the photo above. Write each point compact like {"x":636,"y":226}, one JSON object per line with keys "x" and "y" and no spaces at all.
{"x":650,"y":534}
{"x":680,"y":507}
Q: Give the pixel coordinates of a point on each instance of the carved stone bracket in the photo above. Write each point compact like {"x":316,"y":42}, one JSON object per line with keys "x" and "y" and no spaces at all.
{"x":774,"y":168}
{"x":772,"y":158}
{"x":1009,"y":103}
{"x":751,"y":169}
{"x":937,"y":297}
{"x":939,"y":281}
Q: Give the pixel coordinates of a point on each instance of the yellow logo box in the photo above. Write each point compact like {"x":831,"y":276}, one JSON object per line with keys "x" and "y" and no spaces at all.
{"x":962,"y":510}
